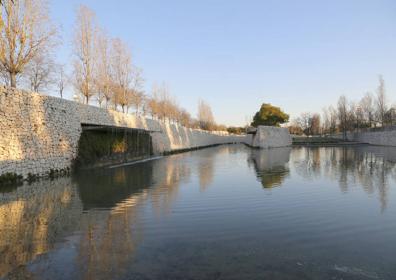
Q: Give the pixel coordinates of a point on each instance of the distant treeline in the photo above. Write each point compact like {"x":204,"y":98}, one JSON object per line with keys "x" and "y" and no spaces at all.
{"x":372,"y":110}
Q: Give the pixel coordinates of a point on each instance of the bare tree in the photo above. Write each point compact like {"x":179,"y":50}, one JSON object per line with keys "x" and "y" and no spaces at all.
{"x":153,"y":103}
{"x":343,"y":114}
{"x":359,"y":116}
{"x":326,"y":123}
{"x":84,"y":51}
{"x":303,"y":121}
{"x":164,"y":106}
{"x":138,"y":100}
{"x":152,"y":106}
{"x":62,"y":80}
{"x":381,"y":100}
{"x":295,"y":128}
{"x":175,"y":109}
{"x":136,"y":87}
{"x":39,"y":74}
{"x":366,"y":104}
{"x":160,"y":101}
{"x":333,"y":119}
{"x":103,"y":77}
{"x":184,"y":118}
{"x":205,"y":115}
{"x":352,"y":116}
{"x":27,"y":30}
{"x":314,"y":124}
{"x":121,"y":62}
{"x":390,"y":115}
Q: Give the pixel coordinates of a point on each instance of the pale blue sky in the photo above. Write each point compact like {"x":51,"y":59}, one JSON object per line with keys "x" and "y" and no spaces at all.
{"x":299,"y":55}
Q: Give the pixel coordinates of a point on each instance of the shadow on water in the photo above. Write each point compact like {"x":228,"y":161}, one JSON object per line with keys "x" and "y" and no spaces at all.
{"x":271,"y":165}
{"x":104,"y":188}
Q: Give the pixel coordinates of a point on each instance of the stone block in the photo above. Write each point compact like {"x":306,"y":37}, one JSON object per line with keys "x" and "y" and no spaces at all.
{"x":271,"y":137}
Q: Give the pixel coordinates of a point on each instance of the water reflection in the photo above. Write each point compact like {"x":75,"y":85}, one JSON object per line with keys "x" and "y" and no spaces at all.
{"x":33,"y":218}
{"x":106,"y":188}
{"x":109,"y":245}
{"x":110,"y":223}
{"x":370,"y":167}
{"x":205,"y":170}
{"x":271,"y":165}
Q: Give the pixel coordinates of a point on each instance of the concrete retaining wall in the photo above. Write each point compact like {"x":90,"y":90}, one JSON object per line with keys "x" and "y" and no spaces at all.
{"x":39,"y":133}
{"x":271,"y":137}
{"x":381,"y":138}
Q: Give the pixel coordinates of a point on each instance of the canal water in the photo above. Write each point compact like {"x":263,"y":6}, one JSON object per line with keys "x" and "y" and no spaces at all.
{"x":228,"y":212}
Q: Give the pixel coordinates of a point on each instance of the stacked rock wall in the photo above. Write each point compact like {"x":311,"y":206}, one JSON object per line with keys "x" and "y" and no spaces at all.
{"x":40,"y":133}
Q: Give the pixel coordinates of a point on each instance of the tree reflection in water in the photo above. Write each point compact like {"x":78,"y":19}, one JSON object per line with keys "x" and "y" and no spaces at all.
{"x":33,"y":218}
{"x":271,"y":165}
{"x":109,"y":246}
{"x":370,"y":167}
{"x":106,"y":210}
{"x":205,"y":170}
{"x":104,"y":205}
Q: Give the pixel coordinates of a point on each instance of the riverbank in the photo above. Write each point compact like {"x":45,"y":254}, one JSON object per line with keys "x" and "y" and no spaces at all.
{"x":322,"y":141}
{"x":40,"y":134}
{"x":385,"y":137}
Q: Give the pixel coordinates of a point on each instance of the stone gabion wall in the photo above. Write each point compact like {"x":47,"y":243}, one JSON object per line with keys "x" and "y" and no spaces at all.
{"x":37,"y":133}
{"x":40,"y":133}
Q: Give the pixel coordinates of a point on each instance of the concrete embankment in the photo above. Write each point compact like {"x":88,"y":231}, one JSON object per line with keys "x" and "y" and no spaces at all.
{"x":40,"y":134}
{"x":380,"y":138}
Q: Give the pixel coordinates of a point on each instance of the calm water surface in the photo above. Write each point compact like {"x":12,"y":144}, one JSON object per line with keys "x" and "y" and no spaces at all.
{"x":228,"y":212}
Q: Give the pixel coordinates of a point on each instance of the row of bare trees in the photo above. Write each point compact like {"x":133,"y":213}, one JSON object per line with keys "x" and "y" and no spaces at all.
{"x":163,"y":106}
{"x":102,"y":66}
{"x":103,"y":69}
{"x":372,"y":110}
{"x":27,"y":38}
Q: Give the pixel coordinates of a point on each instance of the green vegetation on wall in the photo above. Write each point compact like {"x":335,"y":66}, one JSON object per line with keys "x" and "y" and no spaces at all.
{"x":10,"y":180}
{"x":100,"y":147}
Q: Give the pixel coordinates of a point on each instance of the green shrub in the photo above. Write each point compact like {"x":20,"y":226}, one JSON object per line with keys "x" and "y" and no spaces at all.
{"x":10,"y":179}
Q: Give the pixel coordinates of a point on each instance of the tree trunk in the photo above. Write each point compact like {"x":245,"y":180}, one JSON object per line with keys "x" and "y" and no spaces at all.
{"x":13,"y":79}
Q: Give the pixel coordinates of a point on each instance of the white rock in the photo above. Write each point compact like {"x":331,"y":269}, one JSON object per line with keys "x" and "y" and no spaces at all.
{"x":271,"y":137}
